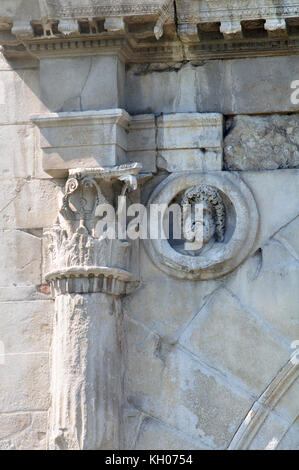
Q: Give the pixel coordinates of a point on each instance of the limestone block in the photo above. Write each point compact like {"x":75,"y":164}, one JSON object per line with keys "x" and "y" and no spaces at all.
{"x":276,"y":195}
{"x":287,"y":407}
{"x":290,"y":441}
{"x":181,"y":132}
{"x":17,"y":148}
{"x":168,"y":304}
{"x":154,"y":435}
{"x":171,"y":385}
{"x":157,"y":88}
{"x":262,"y":142}
{"x":17,"y":293}
{"x":273,"y":430}
{"x":19,"y":86}
{"x":12,"y":424}
{"x":288,"y":236}
{"x":82,"y":140}
{"x":20,"y":258}
{"x":26,"y":326}
{"x":82,"y":83}
{"x":267,"y":284}
{"x":237,"y":341}
{"x":24,"y":382}
{"x":189,"y":130}
{"x":29,"y":203}
{"x":24,"y":431}
{"x":231,"y":29}
{"x":181,"y":160}
{"x":141,"y":146}
{"x":239,"y":86}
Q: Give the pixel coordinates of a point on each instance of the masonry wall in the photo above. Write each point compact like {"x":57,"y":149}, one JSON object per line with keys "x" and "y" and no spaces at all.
{"x":198,"y":355}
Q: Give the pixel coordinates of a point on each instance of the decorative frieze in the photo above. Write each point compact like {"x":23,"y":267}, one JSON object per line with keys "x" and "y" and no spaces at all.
{"x":56,"y":29}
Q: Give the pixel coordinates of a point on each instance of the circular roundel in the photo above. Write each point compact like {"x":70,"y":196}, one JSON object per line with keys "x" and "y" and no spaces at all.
{"x":228,"y":224}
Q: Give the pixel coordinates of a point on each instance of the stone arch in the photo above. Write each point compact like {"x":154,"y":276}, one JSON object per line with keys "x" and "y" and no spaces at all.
{"x":273,"y":416}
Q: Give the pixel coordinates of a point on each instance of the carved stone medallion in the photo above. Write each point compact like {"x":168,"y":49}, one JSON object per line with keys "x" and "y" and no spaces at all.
{"x":229,"y":224}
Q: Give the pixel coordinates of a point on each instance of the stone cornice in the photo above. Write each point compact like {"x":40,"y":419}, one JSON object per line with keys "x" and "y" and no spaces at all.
{"x":149,"y":31}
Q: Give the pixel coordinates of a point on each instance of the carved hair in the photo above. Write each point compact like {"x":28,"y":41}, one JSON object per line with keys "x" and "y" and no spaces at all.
{"x":212,"y":197}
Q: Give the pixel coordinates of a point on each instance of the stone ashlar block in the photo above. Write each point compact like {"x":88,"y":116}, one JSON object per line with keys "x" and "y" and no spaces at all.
{"x":236,"y":341}
{"x":20,"y":258}
{"x":17,"y":148}
{"x":24,"y":382}
{"x":95,"y":138}
{"x":18,"y":321}
{"x":188,"y":141}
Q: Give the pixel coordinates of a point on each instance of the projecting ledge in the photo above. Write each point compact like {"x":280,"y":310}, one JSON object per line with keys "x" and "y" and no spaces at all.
{"x":92,"y":139}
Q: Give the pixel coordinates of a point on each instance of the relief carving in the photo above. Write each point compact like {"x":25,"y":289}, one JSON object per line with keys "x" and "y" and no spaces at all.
{"x":213,"y":221}
{"x":229,"y":224}
{"x":79,"y":260}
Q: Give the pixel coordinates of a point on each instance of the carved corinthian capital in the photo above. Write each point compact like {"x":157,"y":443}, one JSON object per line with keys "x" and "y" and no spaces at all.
{"x":79,"y":260}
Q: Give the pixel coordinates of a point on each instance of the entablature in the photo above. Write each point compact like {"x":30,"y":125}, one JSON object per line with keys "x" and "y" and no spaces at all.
{"x":151,"y":30}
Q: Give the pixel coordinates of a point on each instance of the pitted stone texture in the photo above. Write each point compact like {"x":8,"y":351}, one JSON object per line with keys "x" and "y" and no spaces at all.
{"x":267,"y":284}
{"x":82,"y":83}
{"x":290,"y":440}
{"x":23,"y":431}
{"x":170,"y":384}
{"x":239,"y":86}
{"x":26,"y":326}
{"x":24,"y":382}
{"x":17,"y":149}
{"x":276,"y":195}
{"x":168,"y":304}
{"x":164,"y":437}
{"x":237,"y":341}
{"x":262,"y":142}
{"x":28,"y":203}
{"x":20,"y":259}
{"x":19,"y":94}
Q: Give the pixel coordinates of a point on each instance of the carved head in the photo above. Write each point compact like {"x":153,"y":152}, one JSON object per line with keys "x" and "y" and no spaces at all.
{"x":213,"y":222}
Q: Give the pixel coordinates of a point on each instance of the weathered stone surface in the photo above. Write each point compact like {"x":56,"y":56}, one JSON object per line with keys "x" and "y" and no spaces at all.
{"x":19,"y":86}
{"x":235,"y":340}
{"x":291,"y":438}
{"x":12,"y":424}
{"x":273,"y":430}
{"x":207,"y":364}
{"x":168,"y":304}
{"x":190,"y":141}
{"x":19,"y":293}
{"x":28,"y":203}
{"x":82,"y":140}
{"x":276,"y":195}
{"x":82,"y":83}
{"x":26,"y":326}
{"x":20,"y":258}
{"x":240,"y":86}
{"x":24,"y":431}
{"x":171,"y":385}
{"x":261,"y":142}
{"x":264,"y":283}
{"x":17,"y":147}
{"x":164,"y":437}
{"x":24,"y":382}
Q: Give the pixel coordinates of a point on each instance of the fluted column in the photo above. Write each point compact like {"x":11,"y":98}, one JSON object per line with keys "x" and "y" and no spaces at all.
{"x":88,"y":275}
